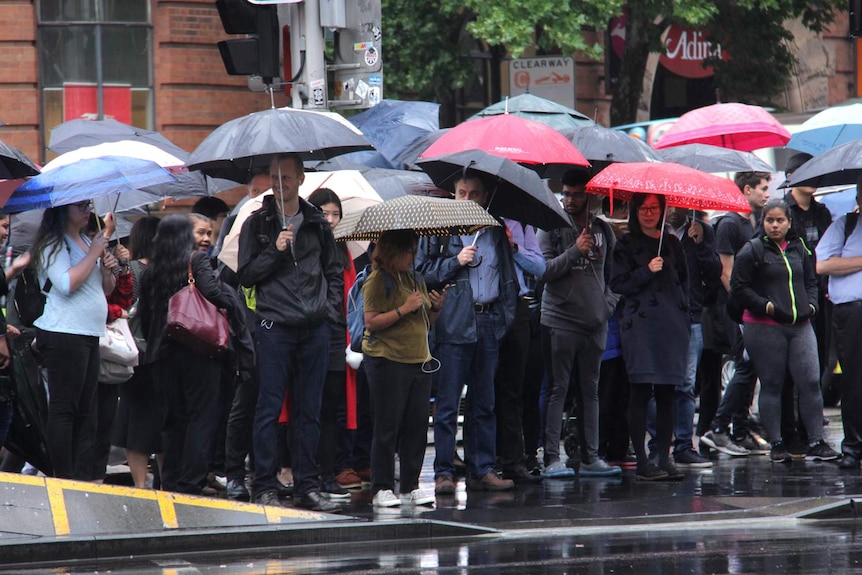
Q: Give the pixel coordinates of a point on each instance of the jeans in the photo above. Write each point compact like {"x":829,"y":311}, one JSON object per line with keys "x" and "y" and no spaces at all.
{"x":72,"y":363}
{"x":293,"y":360}
{"x":473,"y":364}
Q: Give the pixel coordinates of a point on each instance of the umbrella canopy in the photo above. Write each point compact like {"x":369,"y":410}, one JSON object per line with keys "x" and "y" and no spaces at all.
{"x":79,"y":133}
{"x":837,"y":166}
{"x":392,"y":125}
{"x":508,"y":136}
{"x":831,"y":127}
{"x":410,"y":155}
{"x":602,"y":145}
{"x":84,"y":180}
{"x":244,"y":144}
{"x":737,"y":126}
{"x":514,"y":192}
{"x":14,"y":164}
{"x":538,"y":109}
{"x":352,"y":189}
{"x":714,"y":159}
{"x":424,"y":215}
{"x":125,"y":148}
{"x":681,"y":186}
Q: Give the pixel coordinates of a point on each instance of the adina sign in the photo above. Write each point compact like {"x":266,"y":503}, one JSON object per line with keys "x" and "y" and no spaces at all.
{"x":686,"y":51}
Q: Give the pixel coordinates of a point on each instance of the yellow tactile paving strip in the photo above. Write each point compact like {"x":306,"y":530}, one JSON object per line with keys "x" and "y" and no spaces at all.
{"x":166,"y":502}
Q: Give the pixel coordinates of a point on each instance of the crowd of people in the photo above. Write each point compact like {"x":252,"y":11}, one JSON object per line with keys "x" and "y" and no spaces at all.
{"x":582,"y":349}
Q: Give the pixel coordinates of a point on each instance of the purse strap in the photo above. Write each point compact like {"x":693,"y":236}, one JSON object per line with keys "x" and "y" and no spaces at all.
{"x":191,"y":275}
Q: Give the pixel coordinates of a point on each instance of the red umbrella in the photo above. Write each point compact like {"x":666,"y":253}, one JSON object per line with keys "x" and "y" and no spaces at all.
{"x":682,"y":187}
{"x":518,"y":139}
{"x":737,"y":126}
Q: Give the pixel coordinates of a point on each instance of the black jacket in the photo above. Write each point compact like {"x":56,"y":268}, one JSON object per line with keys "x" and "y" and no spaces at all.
{"x":299,"y":286}
{"x":704,"y":270}
{"x":787,"y":280}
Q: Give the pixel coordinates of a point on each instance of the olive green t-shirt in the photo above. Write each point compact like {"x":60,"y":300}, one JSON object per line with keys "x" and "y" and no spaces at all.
{"x":406,"y":340}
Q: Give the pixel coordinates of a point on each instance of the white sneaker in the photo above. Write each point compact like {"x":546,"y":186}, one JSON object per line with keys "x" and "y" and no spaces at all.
{"x":385,"y":498}
{"x":418,"y":497}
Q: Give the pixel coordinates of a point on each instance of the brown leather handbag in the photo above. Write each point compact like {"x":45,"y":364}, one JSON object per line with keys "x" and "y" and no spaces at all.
{"x":194,"y":322}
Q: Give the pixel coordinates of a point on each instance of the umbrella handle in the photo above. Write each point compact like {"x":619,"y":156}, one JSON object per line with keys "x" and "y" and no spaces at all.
{"x":661,"y":230}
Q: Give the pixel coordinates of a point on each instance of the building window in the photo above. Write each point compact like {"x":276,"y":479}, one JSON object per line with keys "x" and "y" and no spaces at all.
{"x":95,"y":61}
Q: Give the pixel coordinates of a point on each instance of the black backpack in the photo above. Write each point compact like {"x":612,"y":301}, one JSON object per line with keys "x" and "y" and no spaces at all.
{"x":29,"y":297}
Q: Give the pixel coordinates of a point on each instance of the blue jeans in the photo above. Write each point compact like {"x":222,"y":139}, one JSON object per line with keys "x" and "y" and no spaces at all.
{"x":683,"y":399}
{"x":473,"y":364}
{"x":292,"y":359}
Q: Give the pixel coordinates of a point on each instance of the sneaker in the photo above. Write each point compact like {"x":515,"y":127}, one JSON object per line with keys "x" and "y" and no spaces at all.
{"x":779,"y":453}
{"x":364,"y":475}
{"x":598,"y":468}
{"x":418,"y":497}
{"x":557,"y":470}
{"x":330,"y":488}
{"x":349,"y":479}
{"x":649,"y":472}
{"x":489,"y":482}
{"x":720,"y":441}
{"x":691,"y":459}
{"x":754,"y":444}
{"x":385,"y":498}
{"x":444,"y":485}
{"x":798,"y":449}
{"x":821,"y":451}
{"x":673,"y":474}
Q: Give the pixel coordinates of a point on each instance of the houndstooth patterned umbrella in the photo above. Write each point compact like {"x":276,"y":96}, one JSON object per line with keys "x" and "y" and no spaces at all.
{"x":424,"y":215}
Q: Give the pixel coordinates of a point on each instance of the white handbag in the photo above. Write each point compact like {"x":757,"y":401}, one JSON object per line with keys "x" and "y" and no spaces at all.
{"x":118,"y":344}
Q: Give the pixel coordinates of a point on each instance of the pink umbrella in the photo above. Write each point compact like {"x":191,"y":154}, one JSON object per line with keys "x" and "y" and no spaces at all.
{"x":518,"y":139}
{"x":736,"y":126}
{"x":682,"y":187}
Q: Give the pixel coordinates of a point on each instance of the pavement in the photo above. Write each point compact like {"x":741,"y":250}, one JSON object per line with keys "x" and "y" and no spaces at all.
{"x":52,"y":522}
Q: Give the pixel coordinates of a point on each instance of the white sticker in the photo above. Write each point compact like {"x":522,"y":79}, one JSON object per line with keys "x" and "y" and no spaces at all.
{"x":361,"y":89}
{"x":371,"y":56}
{"x":374,"y":96}
{"x":318,"y":95}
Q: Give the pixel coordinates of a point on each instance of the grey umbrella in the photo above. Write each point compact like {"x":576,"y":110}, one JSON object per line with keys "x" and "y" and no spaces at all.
{"x":602,"y":146}
{"x":14,"y":164}
{"x":839,"y":165}
{"x":79,"y":133}
{"x":714,"y":159}
{"x":238,"y":147}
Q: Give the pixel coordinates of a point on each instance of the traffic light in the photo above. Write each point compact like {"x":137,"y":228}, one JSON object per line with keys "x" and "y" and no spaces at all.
{"x":855,"y":18}
{"x":258,"y":54}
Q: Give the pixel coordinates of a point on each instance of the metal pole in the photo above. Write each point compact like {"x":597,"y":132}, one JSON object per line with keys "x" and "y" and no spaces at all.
{"x":315,"y":64}
{"x":297,"y":46}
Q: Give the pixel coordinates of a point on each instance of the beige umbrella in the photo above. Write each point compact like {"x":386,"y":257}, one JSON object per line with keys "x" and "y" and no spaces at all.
{"x":351,"y":187}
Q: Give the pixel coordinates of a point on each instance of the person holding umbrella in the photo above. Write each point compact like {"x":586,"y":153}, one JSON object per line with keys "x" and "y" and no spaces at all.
{"x":81,"y":273}
{"x":480,"y":308}
{"x":650,"y":272}
{"x":287,"y":252}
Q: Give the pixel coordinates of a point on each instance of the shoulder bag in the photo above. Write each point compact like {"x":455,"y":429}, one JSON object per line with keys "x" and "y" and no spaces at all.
{"x":194,"y":322}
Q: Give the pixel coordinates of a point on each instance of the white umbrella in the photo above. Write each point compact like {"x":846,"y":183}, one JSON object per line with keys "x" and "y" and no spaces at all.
{"x":128,"y":148}
{"x":352,"y":188}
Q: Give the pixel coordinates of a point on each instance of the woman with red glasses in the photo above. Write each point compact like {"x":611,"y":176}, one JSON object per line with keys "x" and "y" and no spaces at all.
{"x":76,"y":273}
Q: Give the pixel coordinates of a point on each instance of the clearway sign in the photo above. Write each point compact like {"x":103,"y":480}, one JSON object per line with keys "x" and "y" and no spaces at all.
{"x":551,"y":77}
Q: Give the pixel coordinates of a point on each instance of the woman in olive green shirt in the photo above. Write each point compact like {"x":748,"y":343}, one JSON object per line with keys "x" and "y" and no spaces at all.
{"x":398,"y":313}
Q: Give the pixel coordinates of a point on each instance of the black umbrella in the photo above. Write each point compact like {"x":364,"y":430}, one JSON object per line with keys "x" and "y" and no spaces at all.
{"x":603,"y":146}
{"x":834,"y":167}
{"x":244,"y":144}
{"x":515,"y":192}
{"x":537,"y":109}
{"x":14,"y":164}
{"x":26,"y":437}
{"x":79,"y":133}
{"x":714,"y":159}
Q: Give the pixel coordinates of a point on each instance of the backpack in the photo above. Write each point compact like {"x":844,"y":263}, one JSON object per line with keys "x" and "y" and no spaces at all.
{"x":356,"y":307}
{"x":29,"y":297}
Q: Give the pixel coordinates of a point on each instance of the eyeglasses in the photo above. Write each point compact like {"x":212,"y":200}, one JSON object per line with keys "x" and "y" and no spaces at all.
{"x":649,"y":209}
{"x":84,"y":206}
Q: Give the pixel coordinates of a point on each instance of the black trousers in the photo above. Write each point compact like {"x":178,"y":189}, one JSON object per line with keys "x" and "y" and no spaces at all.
{"x":100,"y":423}
{"x":613,"y":408}
{"x":192,"y":388}
{"x":72,"y":363}
{"x":400,"y":397}
{"x":709,"y":377}
{"x":535,"y":374}
{"x":509,"y":388}
{"x":334,"y":398}
{"x":238,"y":442}
{"x":848,"y":333}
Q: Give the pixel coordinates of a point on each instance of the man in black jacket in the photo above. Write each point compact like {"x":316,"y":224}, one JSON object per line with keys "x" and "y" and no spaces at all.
{"x":287,"y":252}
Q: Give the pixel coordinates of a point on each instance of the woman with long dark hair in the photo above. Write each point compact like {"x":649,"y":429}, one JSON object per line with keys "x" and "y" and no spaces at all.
{"x":80,"y":272}
{"x":339,"y":389}
{"x":189,"y":382}
{"x":138,"y":427}
{"x":650,"y":273}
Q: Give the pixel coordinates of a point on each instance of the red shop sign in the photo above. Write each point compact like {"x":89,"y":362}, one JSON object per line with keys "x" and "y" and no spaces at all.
{"x":686,"y":51}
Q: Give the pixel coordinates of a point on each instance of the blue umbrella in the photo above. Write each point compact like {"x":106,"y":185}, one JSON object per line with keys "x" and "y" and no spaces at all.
{"x":85,"y":180}
{"x":830,"y":128}
{"x":391,"y":126}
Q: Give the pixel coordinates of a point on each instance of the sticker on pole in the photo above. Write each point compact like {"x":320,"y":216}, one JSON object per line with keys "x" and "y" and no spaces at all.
{"x":318,"y":95}
{"x":371,"y":56}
